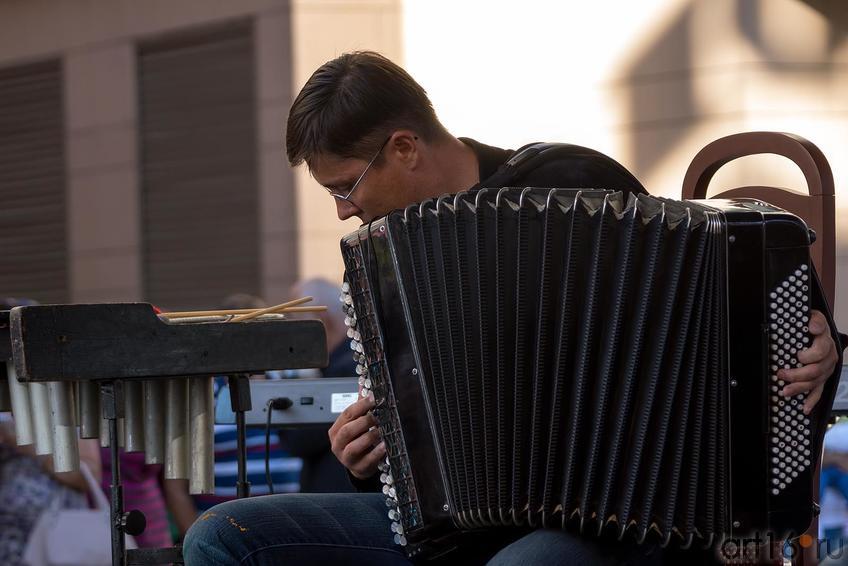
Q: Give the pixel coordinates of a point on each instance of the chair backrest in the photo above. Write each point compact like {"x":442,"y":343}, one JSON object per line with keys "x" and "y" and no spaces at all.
{"x":817,"y":208}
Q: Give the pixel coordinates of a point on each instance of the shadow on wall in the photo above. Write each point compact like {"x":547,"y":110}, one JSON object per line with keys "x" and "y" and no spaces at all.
{"x":750,"y":16}
{"x":656,"y":79}
{"x":660,"y":105}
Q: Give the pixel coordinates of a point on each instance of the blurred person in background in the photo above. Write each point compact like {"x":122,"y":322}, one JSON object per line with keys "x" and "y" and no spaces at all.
{"x":28,"y":484}
{"x":833,"y":520}
{"x":322,"y":472}
{"x":285,"y":469}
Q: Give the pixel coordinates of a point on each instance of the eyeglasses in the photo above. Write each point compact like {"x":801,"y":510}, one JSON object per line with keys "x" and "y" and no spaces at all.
{"x":362,"y":176}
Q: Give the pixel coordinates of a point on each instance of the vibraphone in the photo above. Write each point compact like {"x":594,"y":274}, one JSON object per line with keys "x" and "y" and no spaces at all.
{"x":121,"y":373}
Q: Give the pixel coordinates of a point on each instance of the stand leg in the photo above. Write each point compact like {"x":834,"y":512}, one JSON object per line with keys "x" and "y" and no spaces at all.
{"x":111,"y":412}
{"x":242,"y":486}
{"x":240,"y":402}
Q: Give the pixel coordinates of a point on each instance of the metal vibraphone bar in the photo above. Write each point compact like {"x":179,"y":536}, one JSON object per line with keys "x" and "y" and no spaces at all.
{"x":143,"y":382}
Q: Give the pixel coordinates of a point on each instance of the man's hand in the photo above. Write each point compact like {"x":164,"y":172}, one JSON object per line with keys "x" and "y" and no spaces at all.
{"x":355,"y":439}
{"x":819,"y":362}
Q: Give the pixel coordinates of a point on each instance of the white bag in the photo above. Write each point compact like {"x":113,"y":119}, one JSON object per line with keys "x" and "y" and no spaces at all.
{"x":74,"y":537}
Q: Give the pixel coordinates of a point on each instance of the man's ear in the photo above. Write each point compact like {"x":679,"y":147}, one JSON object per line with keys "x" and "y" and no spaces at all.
{"x":405,"y":147}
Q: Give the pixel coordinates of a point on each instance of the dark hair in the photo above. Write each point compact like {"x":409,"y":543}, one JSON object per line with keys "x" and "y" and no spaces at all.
{"x":350,"y":104}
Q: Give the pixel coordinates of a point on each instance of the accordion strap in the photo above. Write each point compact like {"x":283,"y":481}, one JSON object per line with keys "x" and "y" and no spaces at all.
{"x":578,"y":167}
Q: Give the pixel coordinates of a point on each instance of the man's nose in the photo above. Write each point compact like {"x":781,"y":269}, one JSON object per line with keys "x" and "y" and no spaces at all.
{"x":346,"y":209}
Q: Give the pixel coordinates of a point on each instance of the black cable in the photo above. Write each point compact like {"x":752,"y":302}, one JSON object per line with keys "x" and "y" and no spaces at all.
{"x":268,"y":447}
{"x":278,"y":403}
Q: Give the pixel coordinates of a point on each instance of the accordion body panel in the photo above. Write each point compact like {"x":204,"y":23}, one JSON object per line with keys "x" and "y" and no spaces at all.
{"x":571,"y":359}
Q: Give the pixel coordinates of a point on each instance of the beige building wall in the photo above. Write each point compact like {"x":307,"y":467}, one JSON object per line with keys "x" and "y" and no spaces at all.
{"x":722,"y":67}
{"x":651,"y":86}
{"x":96,"y":41}
{"x":104,"y":249}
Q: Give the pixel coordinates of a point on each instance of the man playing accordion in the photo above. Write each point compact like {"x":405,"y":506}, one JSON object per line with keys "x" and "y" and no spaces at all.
{"x":369,"y":135}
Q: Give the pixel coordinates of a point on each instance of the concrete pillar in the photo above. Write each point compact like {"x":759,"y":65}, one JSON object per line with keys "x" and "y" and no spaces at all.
{"x":103,"y":176}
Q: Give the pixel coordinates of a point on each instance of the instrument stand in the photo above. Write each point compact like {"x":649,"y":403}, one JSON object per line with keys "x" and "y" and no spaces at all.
{"x":112,"y":410}
{"x":132,"y":522}
{"x":239,"y":385}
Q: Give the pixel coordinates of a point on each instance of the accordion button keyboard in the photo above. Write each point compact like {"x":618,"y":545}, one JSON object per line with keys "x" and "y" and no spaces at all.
{"x":788,"y":334}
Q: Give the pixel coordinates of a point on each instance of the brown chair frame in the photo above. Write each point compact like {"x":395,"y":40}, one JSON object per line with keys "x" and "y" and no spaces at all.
{"x":817,"y":209}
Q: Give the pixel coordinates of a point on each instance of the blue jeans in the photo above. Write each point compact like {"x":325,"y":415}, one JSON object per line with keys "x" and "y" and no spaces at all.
{"x":353,"y":528}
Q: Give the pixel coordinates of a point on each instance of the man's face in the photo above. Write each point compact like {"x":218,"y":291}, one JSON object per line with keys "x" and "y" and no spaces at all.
{"x":385,"y":186}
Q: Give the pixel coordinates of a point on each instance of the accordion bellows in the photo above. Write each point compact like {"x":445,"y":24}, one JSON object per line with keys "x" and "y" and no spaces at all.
{"x":583,"y":360}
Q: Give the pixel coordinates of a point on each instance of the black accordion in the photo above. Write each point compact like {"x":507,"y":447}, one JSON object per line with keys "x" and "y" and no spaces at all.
{"x":587,"y":361}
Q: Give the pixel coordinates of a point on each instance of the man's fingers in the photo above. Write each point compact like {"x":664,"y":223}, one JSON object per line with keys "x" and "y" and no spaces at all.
{"x":818,"y":350}
{"x":367,"y":466}
{"x":352,"y":412}
{"x":353,"y":436}
{"x":359,"y":456}
{"x":360,"y":447}
{"x":357,"y":408}
{"x":796,"y":388}
{"x":353,"y":430}
{"x":818,"y":323}
{"x":813,"y":398}
{"x":808,"y":373}
{"x":819,"y":361}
